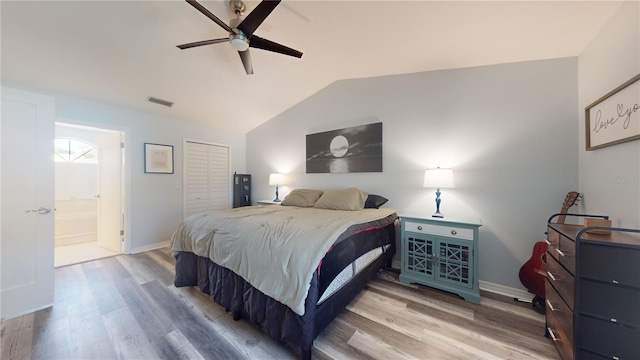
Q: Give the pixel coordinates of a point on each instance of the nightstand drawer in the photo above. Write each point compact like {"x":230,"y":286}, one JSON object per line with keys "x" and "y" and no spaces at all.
{"x":439,"y":230}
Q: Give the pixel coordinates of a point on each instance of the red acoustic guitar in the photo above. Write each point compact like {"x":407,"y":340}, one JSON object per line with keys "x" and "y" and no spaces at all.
{"x":533,"y":272}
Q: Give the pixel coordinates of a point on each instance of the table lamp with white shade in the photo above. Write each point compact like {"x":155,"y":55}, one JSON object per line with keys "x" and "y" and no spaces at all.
{"x":438,"y":178}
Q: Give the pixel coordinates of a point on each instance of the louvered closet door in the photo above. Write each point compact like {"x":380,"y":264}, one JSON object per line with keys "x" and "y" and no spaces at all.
{"x":206,"y":177}
{"x":218,"y":177}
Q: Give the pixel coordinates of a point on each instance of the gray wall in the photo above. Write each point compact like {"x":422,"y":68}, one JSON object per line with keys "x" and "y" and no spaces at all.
{"x":610,"y":177}
{"x":508,"y":131}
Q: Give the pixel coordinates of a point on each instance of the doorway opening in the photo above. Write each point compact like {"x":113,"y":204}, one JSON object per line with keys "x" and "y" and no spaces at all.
{"x":89,"y":185}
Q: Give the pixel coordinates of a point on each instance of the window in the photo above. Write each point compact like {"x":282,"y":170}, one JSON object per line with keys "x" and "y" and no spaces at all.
{"x":75,"y":151}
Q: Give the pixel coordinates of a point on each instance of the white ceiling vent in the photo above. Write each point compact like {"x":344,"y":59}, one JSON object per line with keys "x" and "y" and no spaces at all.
{"x":159,"y":101}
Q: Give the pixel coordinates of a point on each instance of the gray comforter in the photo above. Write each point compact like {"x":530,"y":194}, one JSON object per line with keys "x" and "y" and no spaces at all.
{"x":274,"y":248}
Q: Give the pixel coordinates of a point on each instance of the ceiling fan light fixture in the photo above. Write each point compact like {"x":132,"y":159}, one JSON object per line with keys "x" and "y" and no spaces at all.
{"x":241,"y":31}
{"x":239,"y":42}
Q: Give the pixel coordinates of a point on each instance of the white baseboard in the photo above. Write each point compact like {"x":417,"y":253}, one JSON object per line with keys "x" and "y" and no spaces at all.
{"x":505,"y":290}
{"x":150,"y":247}
{"x":396,"y":264}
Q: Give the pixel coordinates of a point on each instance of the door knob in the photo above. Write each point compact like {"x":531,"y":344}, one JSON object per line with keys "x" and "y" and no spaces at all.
{"x":41,"y":211}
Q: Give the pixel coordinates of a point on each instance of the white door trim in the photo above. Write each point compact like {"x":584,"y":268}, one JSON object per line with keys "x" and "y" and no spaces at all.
{"x":127,"y":171}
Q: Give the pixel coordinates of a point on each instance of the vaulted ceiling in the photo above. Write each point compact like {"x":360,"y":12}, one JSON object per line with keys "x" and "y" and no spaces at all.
{"x":122,"y":52}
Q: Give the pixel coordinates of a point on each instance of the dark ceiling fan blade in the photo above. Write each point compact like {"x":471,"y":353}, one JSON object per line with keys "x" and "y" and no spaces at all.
{"x":264,"y":44}
{"x":257,"y":16}
{"x":245,"y":56}
{"x":208,"y":14}
{"x":203,"y":42}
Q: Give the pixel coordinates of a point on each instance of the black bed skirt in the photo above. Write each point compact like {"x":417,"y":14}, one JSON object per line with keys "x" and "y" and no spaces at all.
{"x":276,"y":319}
{"x":233,"y":293}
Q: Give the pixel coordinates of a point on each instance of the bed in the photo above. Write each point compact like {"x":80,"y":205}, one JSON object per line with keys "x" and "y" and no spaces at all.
{"x":289,"y":269}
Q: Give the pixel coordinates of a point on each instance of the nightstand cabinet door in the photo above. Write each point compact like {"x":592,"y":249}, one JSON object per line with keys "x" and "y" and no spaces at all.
{"x":418,"y":254}
{"x":454,"y":262}
{"x":441,"y":253}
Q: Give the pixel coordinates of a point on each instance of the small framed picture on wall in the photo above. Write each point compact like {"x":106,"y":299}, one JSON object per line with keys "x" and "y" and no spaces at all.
{"x":158,"y":159}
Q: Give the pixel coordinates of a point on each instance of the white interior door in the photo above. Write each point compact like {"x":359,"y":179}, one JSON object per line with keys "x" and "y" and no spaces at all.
{"x":27,"y":202}
{"x":109,"y":202}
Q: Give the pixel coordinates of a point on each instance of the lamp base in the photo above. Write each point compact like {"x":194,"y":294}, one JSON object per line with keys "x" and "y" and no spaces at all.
{"x":437,"y":214}
{"x":276,"y":199}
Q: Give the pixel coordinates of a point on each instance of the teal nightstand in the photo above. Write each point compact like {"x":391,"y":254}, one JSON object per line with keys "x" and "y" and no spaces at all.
{"x":441,"y":253}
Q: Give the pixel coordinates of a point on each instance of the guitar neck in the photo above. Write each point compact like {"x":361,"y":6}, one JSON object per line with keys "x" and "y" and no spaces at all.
{"x":569,"y":201}
{"x":561,"y":218}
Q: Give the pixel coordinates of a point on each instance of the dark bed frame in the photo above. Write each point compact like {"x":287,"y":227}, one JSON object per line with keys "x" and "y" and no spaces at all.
{"x":275,"y":319}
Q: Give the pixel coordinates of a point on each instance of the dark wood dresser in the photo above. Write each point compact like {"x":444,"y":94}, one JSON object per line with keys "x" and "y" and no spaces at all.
{"x":593,"y":292}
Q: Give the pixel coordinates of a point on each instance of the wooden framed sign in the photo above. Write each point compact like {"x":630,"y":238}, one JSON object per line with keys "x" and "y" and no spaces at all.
{"x":615,"y":117}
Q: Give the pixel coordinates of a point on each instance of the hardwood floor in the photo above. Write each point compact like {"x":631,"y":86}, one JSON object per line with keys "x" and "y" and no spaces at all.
{"x":126,"y":307}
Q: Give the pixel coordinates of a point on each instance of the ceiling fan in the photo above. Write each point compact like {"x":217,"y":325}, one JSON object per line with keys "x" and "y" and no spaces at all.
{"x":241,"y":31}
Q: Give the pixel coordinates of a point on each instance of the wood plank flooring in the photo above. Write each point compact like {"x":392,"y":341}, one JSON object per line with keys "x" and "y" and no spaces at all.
{"x":126,"y":307}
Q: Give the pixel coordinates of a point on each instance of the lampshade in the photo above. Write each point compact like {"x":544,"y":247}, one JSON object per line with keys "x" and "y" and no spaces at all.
{"x":438,"y":178}
{"x":276,"y":179}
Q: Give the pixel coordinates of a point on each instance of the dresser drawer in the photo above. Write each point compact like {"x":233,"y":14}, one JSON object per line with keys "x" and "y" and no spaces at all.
{"x":559,"y":309}
{"x":553,"y":238}
{"x":619,"y":263}
{"x":610,"y":302}
{"x":439,"y":230}
{"x":565,"y":253}
{"x":586,"y":355}
{"x":562,"y":249}
{"x":607,"y":338}
{"x":560,"y":339}
{"x":561,"y":280}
